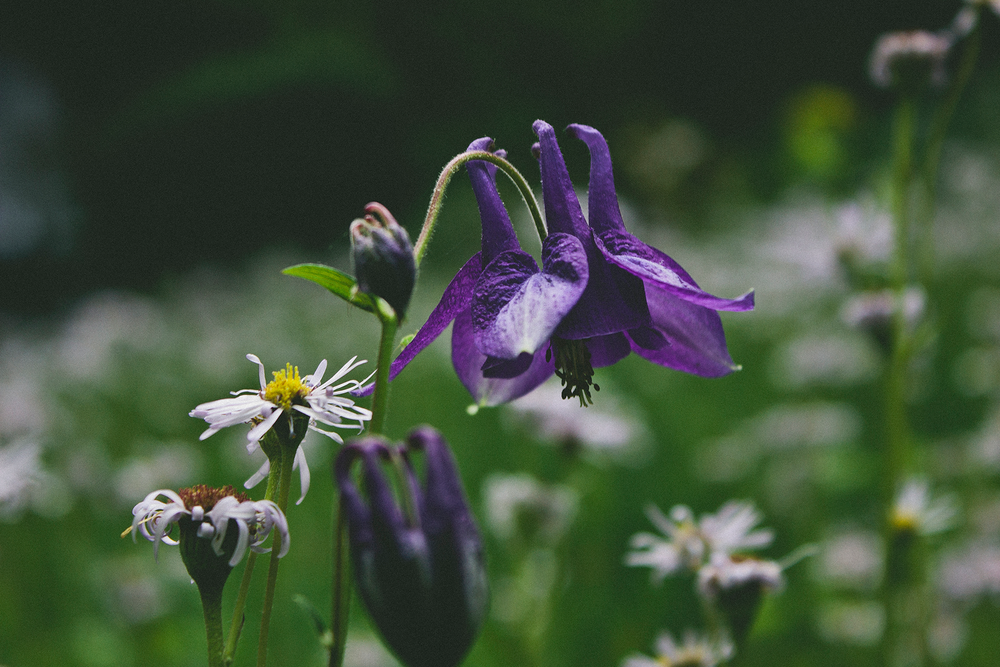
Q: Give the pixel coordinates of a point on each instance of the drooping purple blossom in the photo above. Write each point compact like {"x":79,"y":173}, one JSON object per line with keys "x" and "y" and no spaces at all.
{"x":504,"y":309}
{"x":600,"y":295}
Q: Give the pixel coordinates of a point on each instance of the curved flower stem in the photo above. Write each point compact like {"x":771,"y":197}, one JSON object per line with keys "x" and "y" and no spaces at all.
{"x":284,"y":482}
{"x":211,"y":604}
{"x":236,"y":626}
{"x":935,"y":142}
{"x":437,"y":198}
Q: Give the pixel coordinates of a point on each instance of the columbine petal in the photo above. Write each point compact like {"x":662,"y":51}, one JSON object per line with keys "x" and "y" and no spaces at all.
{"x":696,"y":341}
{"x":516,"y":308}
{"x":456,"y":298}
{"x":488,"y":391}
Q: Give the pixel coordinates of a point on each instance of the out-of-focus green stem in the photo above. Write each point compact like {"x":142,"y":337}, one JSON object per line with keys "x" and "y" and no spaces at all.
{"x":936,"y":134}
{"x":437,"y":198}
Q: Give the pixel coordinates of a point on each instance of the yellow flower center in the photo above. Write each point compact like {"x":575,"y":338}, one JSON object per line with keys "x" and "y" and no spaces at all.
{"x":285,"y":388}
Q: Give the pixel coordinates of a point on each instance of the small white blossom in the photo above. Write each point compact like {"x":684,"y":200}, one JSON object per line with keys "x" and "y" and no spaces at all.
{"x":723,"y":572}
{"x":694,"y":651}
{"x":154,"y":519}
{"x":689,"y":543}
{"x":323,"y":402}
{"x":915,"y":510}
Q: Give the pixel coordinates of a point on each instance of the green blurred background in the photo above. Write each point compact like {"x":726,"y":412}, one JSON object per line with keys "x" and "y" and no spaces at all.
{"x":161,"y":162}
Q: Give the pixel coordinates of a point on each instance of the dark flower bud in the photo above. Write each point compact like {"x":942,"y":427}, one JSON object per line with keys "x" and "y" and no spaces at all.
{"x":419,"y":568}
{"x":735,"y":585}
{"x":383,"y":257}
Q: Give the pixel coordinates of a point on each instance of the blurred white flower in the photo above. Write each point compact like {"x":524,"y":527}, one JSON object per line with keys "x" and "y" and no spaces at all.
{"x":20,"y":477}
{"x":606,"y":430}
{"x":695,"y":651}
{"x":851,"y":559}
{"x":689,"y":543}
{"x":322,"y":402}
{"x":520,"y":508}
{"x":972,"y":571}
{"x":915,"y":510}
{"x":858,"y":623}
{"x":725,"y":572}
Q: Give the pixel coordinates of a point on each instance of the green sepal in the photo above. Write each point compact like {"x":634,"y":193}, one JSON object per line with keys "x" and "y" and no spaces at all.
{"x":338,"y":282}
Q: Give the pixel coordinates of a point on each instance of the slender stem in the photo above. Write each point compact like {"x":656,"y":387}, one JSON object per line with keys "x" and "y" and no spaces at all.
{"x":935,"y":142}
{"x":437,"y":198}
{"x":341,"y":588}
{"x":896,"y":455}
{"x":236,"y":626}
{"x":902,"y":177}
{"x":211,"y":604}
{"x":380,"y":398}
{"x":284,"y":483}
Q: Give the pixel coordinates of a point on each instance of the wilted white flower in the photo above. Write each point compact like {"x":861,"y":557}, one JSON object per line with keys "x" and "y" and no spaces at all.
{"x":521,"y":507}
{"x":695,"y":651}
{"x":154,"y":519}
{"x":322,"y":402}
{"x":689,"y":543}
{"x":916,"y":511}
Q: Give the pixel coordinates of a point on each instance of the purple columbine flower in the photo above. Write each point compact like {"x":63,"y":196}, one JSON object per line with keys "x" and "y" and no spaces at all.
{"x":637,"y":299}
{"x":419,"y":567}
{"x":505,"y":310}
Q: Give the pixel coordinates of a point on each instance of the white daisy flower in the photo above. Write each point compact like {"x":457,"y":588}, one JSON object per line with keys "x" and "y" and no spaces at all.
{"x":915,"y":510}
{"x":694,"y":651}
{"x":689,"y":543}
{"x":321,"y":401}
{"x":154,"y":519}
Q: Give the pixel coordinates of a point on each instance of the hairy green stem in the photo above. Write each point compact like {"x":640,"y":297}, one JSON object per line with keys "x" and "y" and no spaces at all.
{"x":284,"y":483}
{"x":437,"y":198}
{"x":211,"y":604}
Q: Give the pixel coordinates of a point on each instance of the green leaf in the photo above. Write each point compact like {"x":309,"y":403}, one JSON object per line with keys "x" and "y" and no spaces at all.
{"x":338,"y":282}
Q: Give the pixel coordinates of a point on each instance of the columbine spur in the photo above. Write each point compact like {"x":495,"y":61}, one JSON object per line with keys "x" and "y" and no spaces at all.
{"x":321,"y":402}
{"x":209,"y":514}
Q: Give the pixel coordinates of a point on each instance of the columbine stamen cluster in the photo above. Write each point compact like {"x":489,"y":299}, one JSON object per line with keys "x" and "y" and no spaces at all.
{"x":210,"y":512}
{"x":322,"y":402}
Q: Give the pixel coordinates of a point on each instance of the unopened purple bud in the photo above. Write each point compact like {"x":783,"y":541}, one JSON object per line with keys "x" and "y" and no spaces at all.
{"x":383,"y":257}
{"x":420,"y":570}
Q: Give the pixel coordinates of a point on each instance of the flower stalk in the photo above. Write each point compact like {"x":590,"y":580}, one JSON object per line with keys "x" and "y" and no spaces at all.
{"x":450,"y":169}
